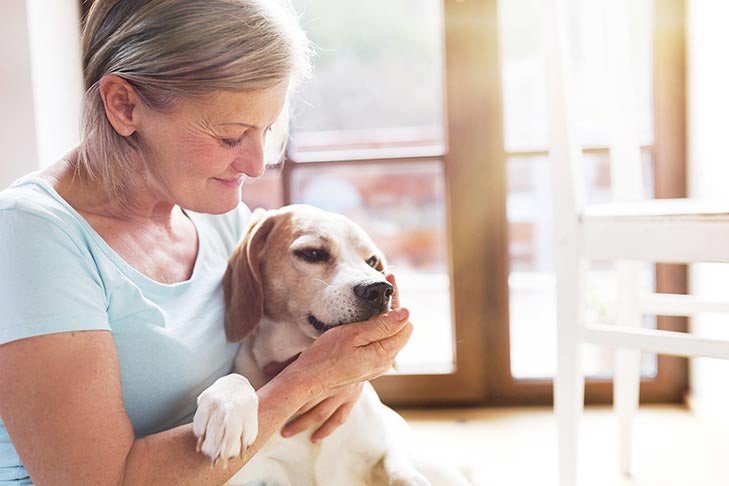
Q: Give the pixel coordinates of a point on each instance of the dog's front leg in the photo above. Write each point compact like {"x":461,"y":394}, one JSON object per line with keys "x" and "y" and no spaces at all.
{"x":226,"y":420}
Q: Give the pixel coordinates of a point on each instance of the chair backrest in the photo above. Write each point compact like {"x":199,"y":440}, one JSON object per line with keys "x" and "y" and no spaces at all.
{"x":625,"y":157}
{"x":565,"y":146}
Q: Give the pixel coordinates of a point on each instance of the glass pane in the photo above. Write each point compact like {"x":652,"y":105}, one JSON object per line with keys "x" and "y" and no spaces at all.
{"x":378,"y":75}
{"x":264,"y":192}
{"x":521,"y":38}
{"x":532,"y":304}
{"x":402,"y":208}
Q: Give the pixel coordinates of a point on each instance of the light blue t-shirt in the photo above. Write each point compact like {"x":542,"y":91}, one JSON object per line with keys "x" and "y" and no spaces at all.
{"x":58,"y":275}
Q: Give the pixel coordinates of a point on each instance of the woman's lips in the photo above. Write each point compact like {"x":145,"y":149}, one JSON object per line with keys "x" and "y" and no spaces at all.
{"x":234,"y":182}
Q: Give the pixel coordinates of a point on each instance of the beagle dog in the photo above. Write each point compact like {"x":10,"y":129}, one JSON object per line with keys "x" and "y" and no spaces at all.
{"x":297,"y":272}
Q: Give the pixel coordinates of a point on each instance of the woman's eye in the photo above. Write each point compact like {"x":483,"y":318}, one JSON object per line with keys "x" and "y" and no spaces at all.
{"x":232,"y":142}
{"x":372,"y":261}
{"x":313,"y":255}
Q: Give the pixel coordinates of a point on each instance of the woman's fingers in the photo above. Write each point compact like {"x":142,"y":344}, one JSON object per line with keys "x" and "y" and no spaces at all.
{"x":324,"y":415}
{"x":393,"y":344}
{"x":382,"y":327}
{"x":313,"y":417}
{"x":336,"y":419}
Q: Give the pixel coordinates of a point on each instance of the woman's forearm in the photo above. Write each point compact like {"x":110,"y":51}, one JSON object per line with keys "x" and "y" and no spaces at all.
{"x":170,"y":457}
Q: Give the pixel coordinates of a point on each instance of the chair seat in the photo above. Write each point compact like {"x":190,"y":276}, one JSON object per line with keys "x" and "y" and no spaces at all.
{"x":658,"y":230}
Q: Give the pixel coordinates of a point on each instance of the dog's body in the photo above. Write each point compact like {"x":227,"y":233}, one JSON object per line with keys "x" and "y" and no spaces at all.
{"x":298,"y":272}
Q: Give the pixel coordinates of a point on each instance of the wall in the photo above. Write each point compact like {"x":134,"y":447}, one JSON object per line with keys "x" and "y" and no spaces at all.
{"x":17,"y":119}
{"x":40,"y":84}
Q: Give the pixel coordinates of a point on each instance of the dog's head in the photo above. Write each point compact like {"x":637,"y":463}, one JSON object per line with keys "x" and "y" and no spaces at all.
{"x":305,"y":266}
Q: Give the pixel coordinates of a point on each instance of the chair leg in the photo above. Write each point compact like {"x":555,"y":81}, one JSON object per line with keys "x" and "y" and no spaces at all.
{"x":626,"y":379}
{"x":568,"y":404}
{"x":626,"y":390}
{"x":569,"y":382}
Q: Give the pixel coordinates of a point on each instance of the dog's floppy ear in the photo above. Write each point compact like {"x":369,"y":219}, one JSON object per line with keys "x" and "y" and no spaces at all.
{"x":242,"y":282}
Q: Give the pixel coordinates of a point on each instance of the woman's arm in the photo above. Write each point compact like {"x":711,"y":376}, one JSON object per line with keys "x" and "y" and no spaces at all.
{"x":62,"y":405}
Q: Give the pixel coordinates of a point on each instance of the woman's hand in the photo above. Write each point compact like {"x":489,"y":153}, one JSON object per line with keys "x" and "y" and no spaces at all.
{"x":324,"y":414}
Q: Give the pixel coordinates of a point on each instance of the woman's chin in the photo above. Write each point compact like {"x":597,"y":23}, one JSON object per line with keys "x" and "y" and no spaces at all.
{"x":217,"y":204}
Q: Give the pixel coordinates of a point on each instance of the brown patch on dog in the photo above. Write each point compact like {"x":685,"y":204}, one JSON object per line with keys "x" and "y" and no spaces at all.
{"x":242,"y":285}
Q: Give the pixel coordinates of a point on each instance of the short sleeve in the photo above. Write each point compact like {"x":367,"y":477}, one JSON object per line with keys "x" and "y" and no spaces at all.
{"x":49,"y":281}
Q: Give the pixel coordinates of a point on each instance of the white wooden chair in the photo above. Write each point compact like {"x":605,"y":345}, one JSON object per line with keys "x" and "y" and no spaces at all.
{"x":628,"y":231}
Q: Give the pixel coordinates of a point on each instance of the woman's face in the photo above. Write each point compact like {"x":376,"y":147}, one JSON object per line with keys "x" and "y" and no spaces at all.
{"x":199,"y":153}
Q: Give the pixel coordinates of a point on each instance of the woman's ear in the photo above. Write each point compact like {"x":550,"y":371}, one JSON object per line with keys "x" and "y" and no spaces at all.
{"x":242,"y":283}
{"x":120,"y":100}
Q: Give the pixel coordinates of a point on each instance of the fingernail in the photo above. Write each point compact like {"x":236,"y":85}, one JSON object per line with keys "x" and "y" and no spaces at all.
{"x":401,"y":314}
{"x":285,"y":433}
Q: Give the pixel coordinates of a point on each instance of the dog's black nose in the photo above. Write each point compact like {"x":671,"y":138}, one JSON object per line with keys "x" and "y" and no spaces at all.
{"x":373,"y":292}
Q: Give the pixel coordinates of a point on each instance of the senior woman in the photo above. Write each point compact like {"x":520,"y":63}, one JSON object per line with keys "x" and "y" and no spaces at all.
{"x":112,"y":259}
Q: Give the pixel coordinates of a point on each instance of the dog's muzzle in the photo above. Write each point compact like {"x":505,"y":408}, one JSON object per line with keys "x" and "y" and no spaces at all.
{"x":372,"y":298}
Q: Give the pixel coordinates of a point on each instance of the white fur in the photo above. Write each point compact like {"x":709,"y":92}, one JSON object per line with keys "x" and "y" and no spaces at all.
{"x":226,"y":420}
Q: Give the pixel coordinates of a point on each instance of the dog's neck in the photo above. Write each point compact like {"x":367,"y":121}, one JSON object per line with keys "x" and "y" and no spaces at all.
{"x":277,"y":342}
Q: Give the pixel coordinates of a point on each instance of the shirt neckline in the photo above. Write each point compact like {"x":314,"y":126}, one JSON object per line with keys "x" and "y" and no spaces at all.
{"x":112,"y":254}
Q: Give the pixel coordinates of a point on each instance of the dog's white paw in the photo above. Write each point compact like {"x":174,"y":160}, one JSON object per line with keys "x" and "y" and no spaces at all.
{"x":226,"y":420}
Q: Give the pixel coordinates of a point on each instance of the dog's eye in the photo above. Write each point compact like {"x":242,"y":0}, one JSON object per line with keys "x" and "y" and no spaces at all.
{"x":313,"y":255}
{"x":372,"y":261}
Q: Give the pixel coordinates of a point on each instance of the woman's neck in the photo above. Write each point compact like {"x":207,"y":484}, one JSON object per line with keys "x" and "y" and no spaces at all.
{"x":91,"y":197}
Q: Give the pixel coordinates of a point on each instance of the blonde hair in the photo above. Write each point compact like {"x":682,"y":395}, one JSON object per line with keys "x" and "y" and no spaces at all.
{"x":181,"y":49}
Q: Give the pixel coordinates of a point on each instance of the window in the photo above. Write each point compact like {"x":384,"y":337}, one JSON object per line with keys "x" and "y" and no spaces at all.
{"x":432,"y":135}
{"x":370,"y":137}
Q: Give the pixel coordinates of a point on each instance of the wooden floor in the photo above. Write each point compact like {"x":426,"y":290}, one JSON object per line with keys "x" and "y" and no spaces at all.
{"x":516,"y":447}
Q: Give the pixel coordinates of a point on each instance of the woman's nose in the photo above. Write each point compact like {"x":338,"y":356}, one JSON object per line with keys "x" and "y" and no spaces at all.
{"x":250,"y":160}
